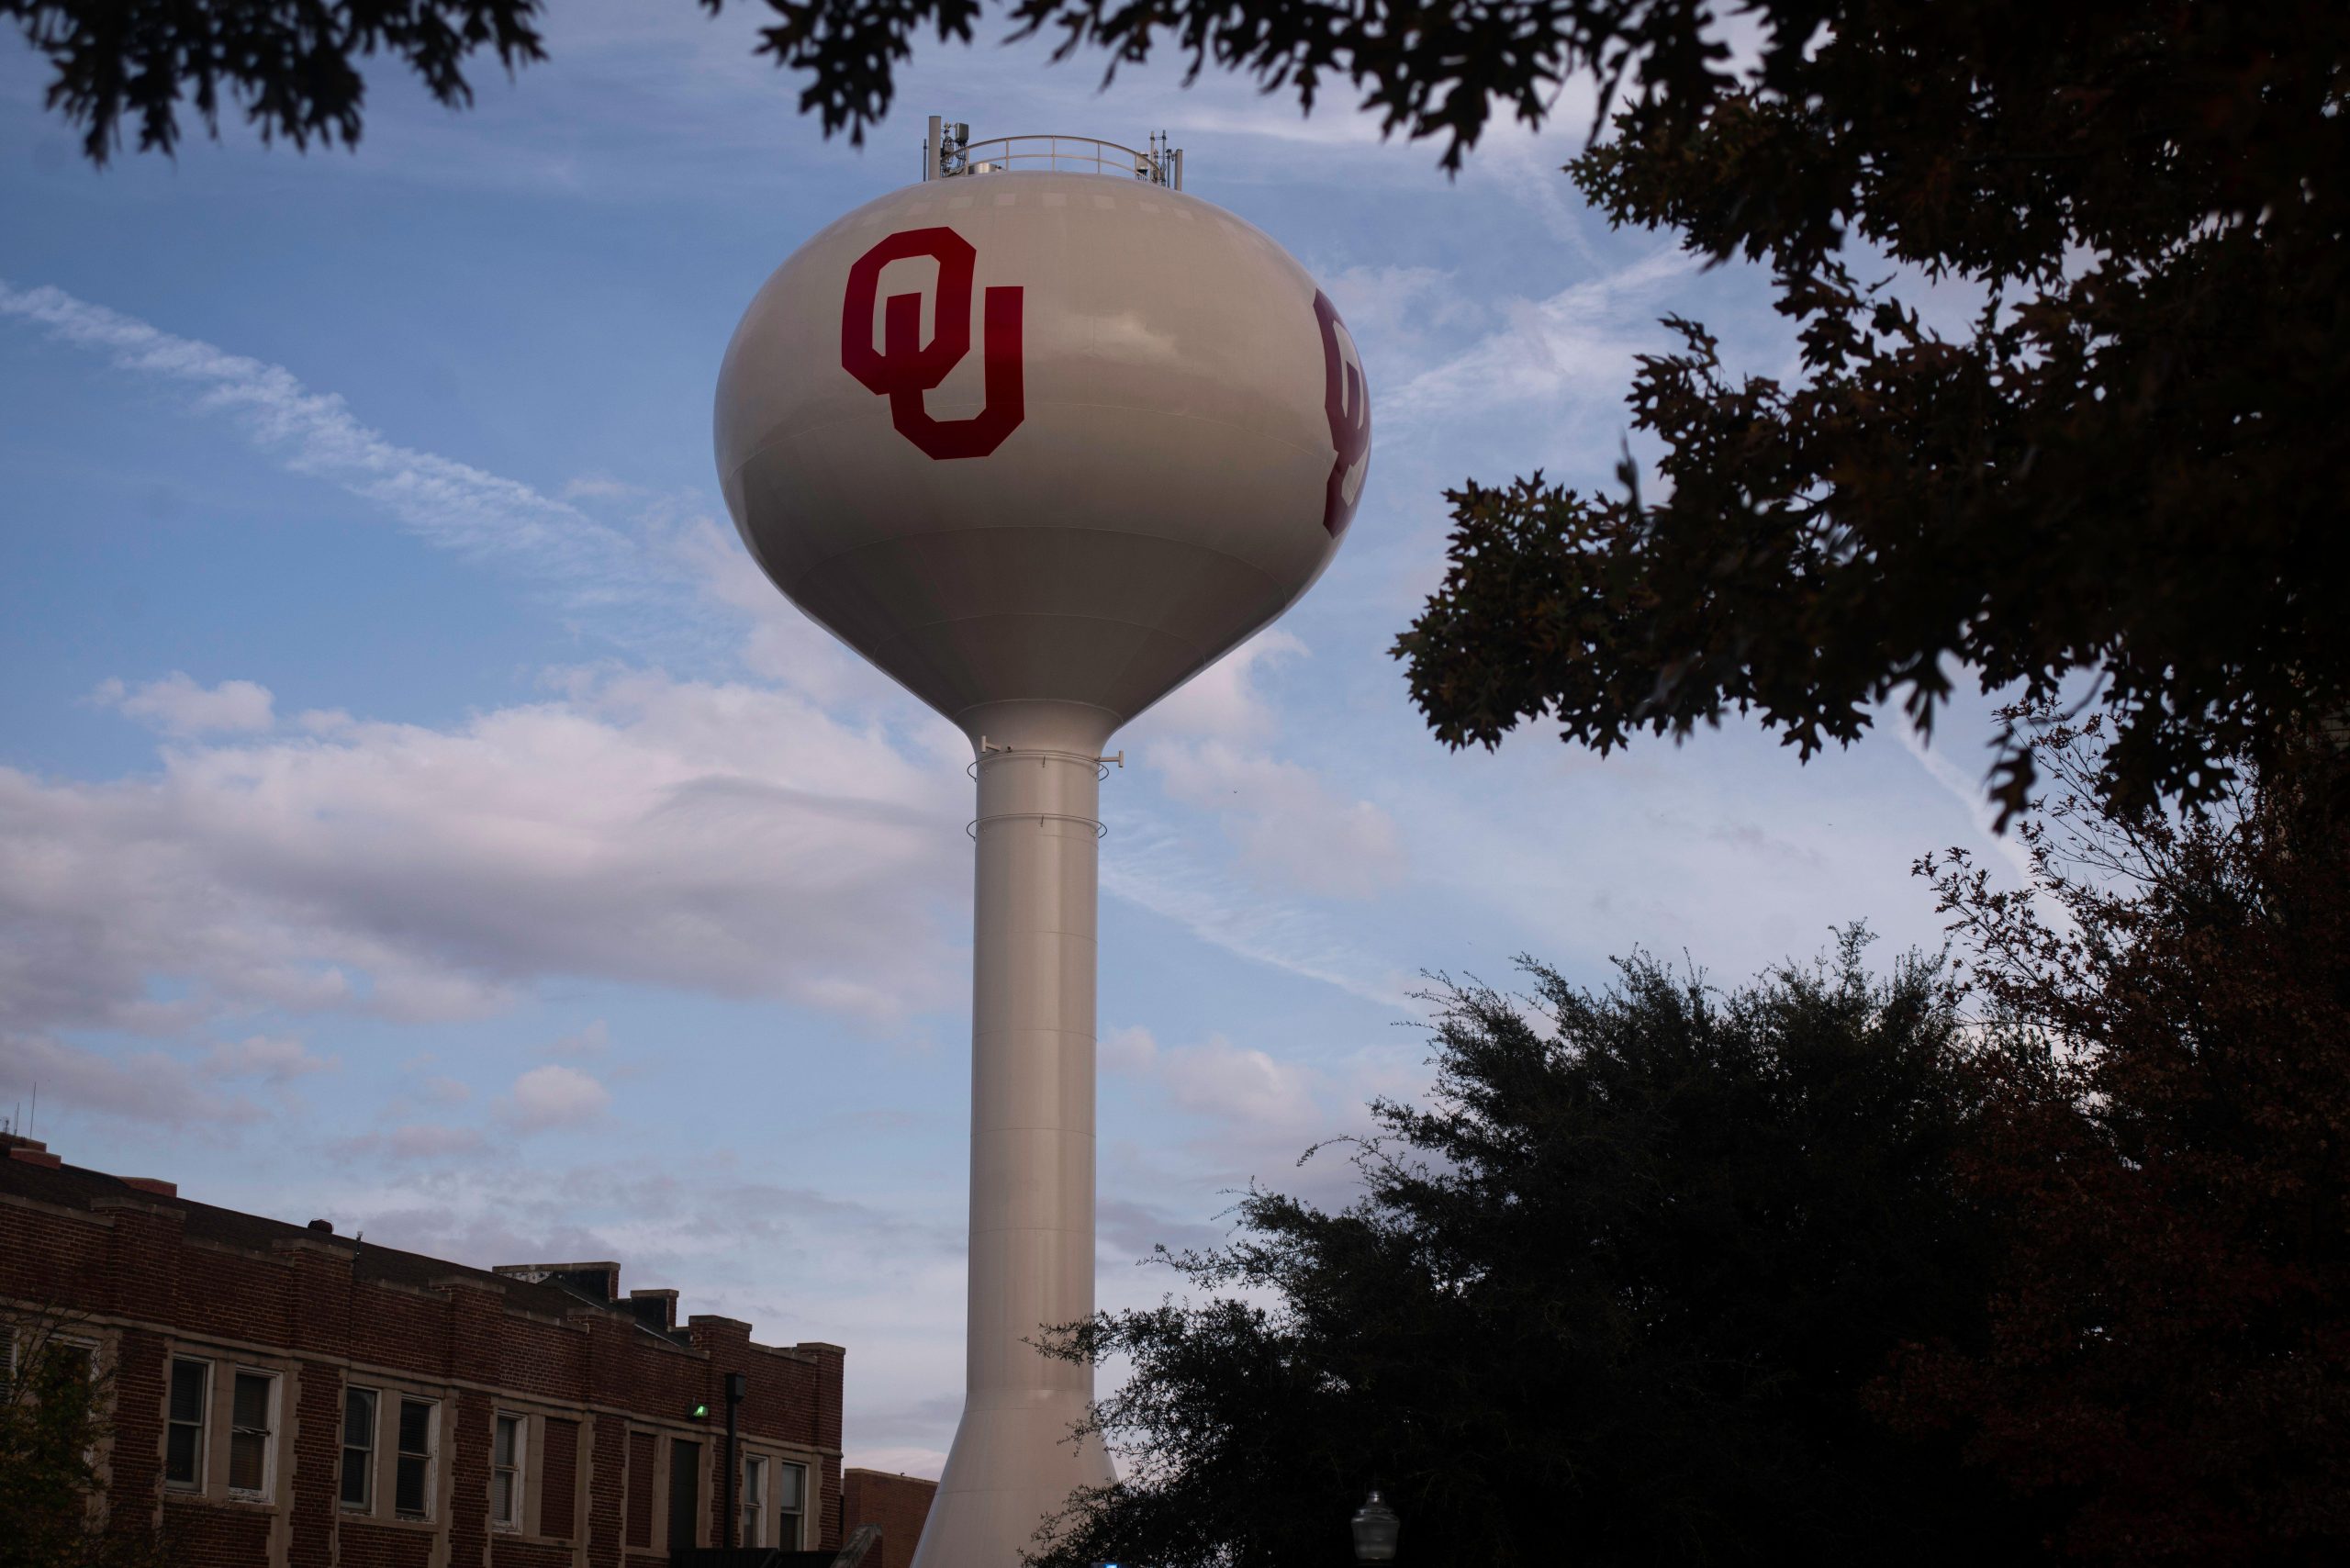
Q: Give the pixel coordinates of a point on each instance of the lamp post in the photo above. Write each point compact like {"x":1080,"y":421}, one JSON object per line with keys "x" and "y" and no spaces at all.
{"x":737,"y":1385}
{"x":1376,"y":1528}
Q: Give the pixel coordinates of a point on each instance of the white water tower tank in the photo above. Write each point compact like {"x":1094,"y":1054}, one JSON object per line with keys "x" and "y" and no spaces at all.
{"x":1042,"y":436}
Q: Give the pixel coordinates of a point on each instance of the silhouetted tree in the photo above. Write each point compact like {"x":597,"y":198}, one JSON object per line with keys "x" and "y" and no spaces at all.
{"x":293,"y":64}
{"x":2165,"y":1144}
{"x":1614,"y":1296}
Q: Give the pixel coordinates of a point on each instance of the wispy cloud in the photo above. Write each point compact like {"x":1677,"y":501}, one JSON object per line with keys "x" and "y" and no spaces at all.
{"x":1583,"y":338}
{"x":588,"y":565}
{"x":1971,"y":793}
{"x":1154,"y":868}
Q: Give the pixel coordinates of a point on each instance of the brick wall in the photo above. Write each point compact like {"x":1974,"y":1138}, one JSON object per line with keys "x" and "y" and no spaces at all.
{"x":899,"y":1504}
{"x":315,"y":1450}
{"x":606,"y":1474}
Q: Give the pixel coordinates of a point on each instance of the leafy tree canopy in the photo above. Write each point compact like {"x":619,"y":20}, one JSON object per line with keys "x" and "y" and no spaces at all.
{"x":2128,"y":468}
{"x":292,"y":64}
{"x":2166,"y":1102}
{"x":1612,"y":1296}
{"x":2132,"y":465}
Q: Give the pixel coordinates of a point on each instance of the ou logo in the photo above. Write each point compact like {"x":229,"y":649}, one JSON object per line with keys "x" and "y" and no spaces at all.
{"x":904,"y":368}
{"x":1345,"y":400}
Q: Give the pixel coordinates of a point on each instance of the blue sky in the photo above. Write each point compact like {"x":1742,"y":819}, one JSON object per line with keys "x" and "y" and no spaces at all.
{"x":415,"y":810}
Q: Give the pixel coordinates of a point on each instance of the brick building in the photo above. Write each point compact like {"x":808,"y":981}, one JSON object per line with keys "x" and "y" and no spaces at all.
{"x":286,"y":1397}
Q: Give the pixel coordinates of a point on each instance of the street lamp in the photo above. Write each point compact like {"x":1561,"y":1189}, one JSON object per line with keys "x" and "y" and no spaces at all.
{"x":1376,"y":1528}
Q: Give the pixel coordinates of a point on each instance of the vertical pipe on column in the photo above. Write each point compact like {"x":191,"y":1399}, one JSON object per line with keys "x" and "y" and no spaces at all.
{"x":1013,"y":1465}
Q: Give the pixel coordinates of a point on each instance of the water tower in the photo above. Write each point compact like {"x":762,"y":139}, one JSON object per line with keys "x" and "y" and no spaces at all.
{"x":1042,"y":436}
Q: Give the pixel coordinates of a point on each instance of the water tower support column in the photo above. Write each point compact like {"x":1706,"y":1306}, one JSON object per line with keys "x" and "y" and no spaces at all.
{"x":1033,"y":958}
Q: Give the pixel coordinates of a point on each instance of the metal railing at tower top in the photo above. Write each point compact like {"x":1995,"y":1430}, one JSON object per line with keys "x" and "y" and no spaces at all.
{"x":948,"y":152}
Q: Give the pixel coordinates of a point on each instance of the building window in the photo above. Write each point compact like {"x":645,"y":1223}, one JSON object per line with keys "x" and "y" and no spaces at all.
{"x":252,"y":1411}
{"x":684,"y":1493}
{"x":359,"y":1449}
{"x":412,"y":1468}
{"x":792,"y":1504}
{"x":183,"y":1423}
{"x":506,"y":1473}
{"x":76,"y":1362}
{"x":754,"y":1501}
{"x":37,"y":1355}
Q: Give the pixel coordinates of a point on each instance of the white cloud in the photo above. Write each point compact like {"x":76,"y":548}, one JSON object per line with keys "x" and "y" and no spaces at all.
{"x":271,"y":1059}
{"x":552,"y":1097}
{"x":178,"y":706}
{"x":1131,"y":1049}
{"x":716,"y":838}
{"x":147,"y":1086}
{"x":1217,"y":1080}
{"x":1220,"y":1080}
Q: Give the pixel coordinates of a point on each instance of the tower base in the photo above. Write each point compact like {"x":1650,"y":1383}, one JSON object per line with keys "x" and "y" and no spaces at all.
{"x":1012,"y":1468}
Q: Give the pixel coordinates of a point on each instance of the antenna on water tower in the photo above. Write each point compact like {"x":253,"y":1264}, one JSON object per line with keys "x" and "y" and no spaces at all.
{"x":1042,"y":442}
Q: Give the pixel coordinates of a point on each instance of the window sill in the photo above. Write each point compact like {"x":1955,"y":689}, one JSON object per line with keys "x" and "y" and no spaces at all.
{"x":242,"y":1502}
{"x":390,"y":1521}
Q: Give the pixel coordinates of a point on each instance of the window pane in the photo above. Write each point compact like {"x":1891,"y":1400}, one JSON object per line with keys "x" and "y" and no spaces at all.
{"x":791,"y":1484}
{"x":502,"y":1445}
{"x":408,"y":1486}
{"x":754,"y":1481}
{"x":248,"y":1457}
{"x":251,"y":1402}
{"x":354,"y":1476}
{"x":416,"y":1427}
{"x":501,"y":1496}
{"x":684,"y":1493}
{"x":187,"y":1391}
{"x":359,"y":1418}
{"x":179,"y":1455}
